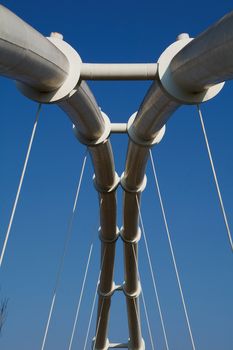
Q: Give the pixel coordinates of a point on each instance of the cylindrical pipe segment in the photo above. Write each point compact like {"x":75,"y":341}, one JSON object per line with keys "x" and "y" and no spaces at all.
{"x":84,"y":113}
{"x":131,"y":235}
{"x":202,"y":63}
{"x":153,"y":113}
{"x":118,"y":71}
{"x":90,"y":125}
{"x":136,"y":342}
{"x":32,"y":59}
{"x":100,"y":341}
{"x":103,"y":162}
{"x":108,"y":235}
{"x":136,"y":161}
{"x":206,"y":60}
{"x":28,"y":56}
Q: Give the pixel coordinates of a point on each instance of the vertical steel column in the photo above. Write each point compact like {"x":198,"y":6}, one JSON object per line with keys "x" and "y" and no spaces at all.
{"x":187,"y":73}
{"x":133,"y":184}
{"x":106,"y":182}
{"x":82,"y":109}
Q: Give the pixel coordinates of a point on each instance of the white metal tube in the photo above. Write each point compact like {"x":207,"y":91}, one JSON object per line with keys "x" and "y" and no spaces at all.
{"x":119,"y":71}
{"x":103,"y":162}
{"x":84,"y":112}
{"x":206,"y":60}
{"x":118,"y":128}
{"x":197,"y":66}
{"x":153,"y":114}
{"x":103,"y":312}
{"x":28,"y":56}
{"x":131,"y":236}
{"x":136,"y":341}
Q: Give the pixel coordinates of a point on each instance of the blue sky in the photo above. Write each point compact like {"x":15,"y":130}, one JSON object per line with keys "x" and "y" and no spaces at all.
{"x":120,"y":31}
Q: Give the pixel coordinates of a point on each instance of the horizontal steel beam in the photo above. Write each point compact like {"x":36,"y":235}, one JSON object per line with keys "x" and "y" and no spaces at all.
{"x":118,"y":128}
{"x":118,"y":346}
{"x":119,"y":71}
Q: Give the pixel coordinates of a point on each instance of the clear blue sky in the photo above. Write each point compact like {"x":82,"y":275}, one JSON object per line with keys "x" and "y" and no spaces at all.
{"x":122,"y":31}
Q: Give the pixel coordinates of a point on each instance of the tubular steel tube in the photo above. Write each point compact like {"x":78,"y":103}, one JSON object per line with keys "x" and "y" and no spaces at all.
{"x":130,"y":216}
{"x":103,"y":162}
{"x":32,"y":59}
{"x":118,"y":128}
{"x":28,"y":56}
{"x":131,"y":286}
{"x":135,"y":334}
{"x":206,"y":60}
{"x":84,"y":112}
{"x":108,"y":206}
{"x":116,"y":71}
{"x":131,"y":235}
{"x":155,"y":110}
{"x":104,"y":305}
{"x":135,"y":167}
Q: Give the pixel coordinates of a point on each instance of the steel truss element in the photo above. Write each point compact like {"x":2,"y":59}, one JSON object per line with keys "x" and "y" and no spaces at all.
{"x":49,"y":70}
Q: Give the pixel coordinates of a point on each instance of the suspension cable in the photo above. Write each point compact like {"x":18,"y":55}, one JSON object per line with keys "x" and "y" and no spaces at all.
{"x":61,"y":264}
{"x":80,"y":298}
{"x":20,"y":184}
{"x":172,"y":253}
{"x":152,"y":276}
{"x":144,"y":302}
{"x":93,"y":304}
{"x":215,"y":177}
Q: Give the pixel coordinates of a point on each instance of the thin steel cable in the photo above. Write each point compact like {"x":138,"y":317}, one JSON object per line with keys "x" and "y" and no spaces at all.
{"x":61,"y":264}
{"x":153,"y":277}
{"x":215,"y":177}
{"x":80,"y":298}
{"x":172,"y":253}
{"x":144,"y":302}
{"x":93,"y":304}
{"x":20,"y":184}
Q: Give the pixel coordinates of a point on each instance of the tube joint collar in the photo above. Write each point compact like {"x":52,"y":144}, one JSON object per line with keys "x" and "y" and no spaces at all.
{"x":138,"y":140}
{"x":170,"y":86}
{"x":115,"y":288}
{"x":137,"y":189}
{"x":135,"y":240}
{"x":68,"y":85}
{"x":109,"y":189}
{"x":109,"y":241}
{"x":134,"y":294}
{"x":91,"y":143}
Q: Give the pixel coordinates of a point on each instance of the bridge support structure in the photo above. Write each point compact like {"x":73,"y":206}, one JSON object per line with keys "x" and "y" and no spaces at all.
{"x":49,"y":70}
